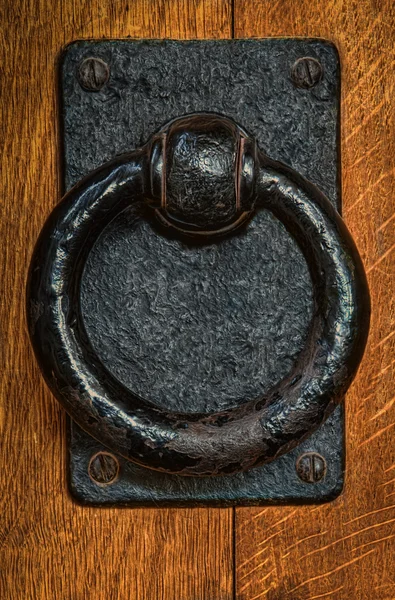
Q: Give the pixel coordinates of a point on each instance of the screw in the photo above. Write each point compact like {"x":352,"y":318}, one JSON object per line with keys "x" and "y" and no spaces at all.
{"x":103,"y":468}
{"x":306,"y":72}
{"x":311,"y":467}
{"x":93,"y":74}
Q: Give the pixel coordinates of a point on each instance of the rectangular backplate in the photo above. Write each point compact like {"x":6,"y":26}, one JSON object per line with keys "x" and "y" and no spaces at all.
{"x":150,"y":83}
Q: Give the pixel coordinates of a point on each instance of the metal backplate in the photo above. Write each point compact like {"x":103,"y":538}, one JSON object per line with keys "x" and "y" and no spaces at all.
{"x":202,"y":328}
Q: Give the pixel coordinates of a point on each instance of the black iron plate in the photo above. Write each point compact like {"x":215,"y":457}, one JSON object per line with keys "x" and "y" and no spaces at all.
{"x":202,"y":328}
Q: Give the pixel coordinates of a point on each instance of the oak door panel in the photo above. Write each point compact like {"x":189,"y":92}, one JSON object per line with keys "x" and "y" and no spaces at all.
{"x":344,"y":550}
{"x":51,"y":548}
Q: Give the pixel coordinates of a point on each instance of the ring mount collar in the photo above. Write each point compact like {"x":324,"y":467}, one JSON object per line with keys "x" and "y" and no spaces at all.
{"x":202,"y":172}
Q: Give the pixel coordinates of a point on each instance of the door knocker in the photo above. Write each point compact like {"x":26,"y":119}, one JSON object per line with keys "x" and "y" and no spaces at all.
{"x":201,"y":176}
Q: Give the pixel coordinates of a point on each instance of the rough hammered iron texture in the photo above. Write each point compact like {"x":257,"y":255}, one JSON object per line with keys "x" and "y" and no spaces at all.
{"x":228,"y":320}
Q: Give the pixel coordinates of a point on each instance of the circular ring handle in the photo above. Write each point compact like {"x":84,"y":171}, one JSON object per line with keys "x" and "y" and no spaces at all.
{"x":202,"y":175}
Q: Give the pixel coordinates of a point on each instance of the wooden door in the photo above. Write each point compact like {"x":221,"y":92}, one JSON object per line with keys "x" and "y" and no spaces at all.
{"x":51,"y":548}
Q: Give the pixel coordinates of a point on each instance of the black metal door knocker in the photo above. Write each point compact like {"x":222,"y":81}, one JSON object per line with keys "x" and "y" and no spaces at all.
{"x":201,"y":177}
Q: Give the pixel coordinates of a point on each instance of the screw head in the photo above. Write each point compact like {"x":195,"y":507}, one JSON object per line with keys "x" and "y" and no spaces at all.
{"x":93,"y":74}
{"x":103,"y":468}
{"x":306,"y":72}
{"x":311,"y":467}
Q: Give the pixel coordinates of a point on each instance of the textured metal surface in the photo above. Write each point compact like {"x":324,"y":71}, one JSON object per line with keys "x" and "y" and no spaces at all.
{"x":250,"y":81}
{"x":275,"y":482}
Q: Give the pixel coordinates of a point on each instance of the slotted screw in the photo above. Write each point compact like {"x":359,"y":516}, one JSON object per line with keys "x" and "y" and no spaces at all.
{"x":93,"y":74}
{"x":311,"y":467}
{"x":306,"y":72}
{"x":103,"y":468}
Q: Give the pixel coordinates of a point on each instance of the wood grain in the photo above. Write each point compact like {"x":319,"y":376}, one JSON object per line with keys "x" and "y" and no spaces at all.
{"x":50,"y":548}
{"x":344,"y":550}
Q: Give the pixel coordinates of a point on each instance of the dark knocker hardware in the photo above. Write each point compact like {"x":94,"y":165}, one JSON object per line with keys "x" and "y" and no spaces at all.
{"x":188,"y":217}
